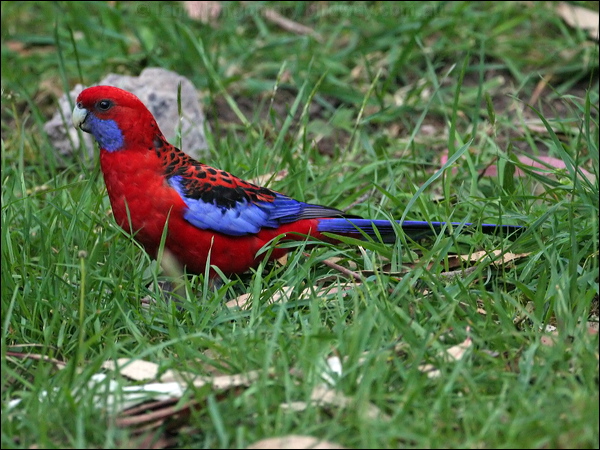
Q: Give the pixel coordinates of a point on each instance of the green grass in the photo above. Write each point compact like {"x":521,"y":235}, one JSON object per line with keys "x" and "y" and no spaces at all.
{"x":359,"y":118}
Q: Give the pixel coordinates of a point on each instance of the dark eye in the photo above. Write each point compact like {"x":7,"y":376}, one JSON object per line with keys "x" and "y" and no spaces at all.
{"x":104,"y":105}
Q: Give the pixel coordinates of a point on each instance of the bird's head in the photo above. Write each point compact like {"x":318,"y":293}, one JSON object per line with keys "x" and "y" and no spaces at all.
{"x":116,"y":118}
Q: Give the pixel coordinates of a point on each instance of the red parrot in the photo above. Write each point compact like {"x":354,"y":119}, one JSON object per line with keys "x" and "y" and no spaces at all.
{"x":209,"y":213}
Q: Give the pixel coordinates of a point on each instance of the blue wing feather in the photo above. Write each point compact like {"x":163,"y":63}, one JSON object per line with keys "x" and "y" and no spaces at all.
{"x":246,"y":215}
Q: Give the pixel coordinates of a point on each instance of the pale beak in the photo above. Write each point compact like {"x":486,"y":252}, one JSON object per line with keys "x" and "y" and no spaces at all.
{"x":79,"y":116}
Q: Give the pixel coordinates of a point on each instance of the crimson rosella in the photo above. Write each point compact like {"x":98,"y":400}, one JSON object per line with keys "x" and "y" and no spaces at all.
{"x":209,"y":214}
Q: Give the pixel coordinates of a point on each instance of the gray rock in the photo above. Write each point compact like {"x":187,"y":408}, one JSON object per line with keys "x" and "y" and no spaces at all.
{"x":157,"y":89}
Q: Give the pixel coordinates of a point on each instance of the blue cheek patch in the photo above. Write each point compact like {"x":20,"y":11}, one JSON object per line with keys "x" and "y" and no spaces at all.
{"x":106,"y":132}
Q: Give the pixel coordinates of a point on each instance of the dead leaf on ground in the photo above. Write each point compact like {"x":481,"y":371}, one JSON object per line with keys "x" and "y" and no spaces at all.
{"x":154,"y":412}
{"x":333,"y":370}
{"x":156,"y":398}
{"x":324,"y":396}
{"x":452,"y":354}
{"x":545,"y":164}
{"x":294,"y":441}
{"x":145,"y":409}
{"x":458,"y":262}
{"x":538,"y":127}
{"x":498,"y":258}
{"x":457,"y":352}
{"x":137,"y":370}
{"x":283,"y":295}
{"x":205,"y":12}
{"x":244,"y":301}
{"x":579,"y":17}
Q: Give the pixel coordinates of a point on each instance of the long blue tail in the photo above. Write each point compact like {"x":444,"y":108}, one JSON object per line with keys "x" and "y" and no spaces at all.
{"x":414,"y":229}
